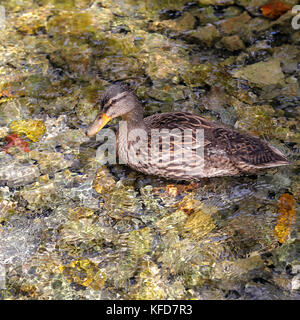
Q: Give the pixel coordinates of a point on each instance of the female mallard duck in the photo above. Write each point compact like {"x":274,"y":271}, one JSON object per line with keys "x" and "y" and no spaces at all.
{"x":225,"y":152}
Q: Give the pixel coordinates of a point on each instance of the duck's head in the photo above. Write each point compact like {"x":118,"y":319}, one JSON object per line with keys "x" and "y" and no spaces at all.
{"x":116,"y":101}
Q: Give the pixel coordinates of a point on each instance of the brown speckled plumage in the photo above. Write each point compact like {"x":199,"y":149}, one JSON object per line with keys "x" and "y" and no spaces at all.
{"x":226,"y":151}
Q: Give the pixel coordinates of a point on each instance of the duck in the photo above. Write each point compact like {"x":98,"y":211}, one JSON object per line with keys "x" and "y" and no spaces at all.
{"x":197,"y":148}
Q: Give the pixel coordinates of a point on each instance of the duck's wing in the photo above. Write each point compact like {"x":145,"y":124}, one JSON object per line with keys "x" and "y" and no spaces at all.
{"x":181,"y":121}
{"x":246,"y":151}
{"x":223,"y":147}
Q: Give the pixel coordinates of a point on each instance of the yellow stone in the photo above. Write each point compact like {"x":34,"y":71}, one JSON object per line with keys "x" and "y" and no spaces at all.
{"x":104,"y":181}
{"x":199,"y":221}
{"x":286,"y":217}
{"x":198,"y":224}
{"x":85,"y":273}
{"x":32,"y":129}
{"x":78,"y":213}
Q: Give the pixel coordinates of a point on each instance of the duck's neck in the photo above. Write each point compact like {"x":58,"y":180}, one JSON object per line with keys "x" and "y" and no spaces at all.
{"x":135,"y":118}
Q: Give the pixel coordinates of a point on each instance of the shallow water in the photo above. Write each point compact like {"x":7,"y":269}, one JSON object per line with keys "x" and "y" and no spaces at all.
{"x":73,"y":229}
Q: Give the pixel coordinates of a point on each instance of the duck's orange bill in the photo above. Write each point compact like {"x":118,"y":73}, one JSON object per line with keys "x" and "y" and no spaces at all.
{"x":101,"y":120}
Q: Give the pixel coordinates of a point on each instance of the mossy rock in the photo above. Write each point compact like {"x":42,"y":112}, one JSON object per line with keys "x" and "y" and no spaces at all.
{"x":208,"y":74}
{"x":206,"y":36}
{"x":70,"y":22}
{"x":262,"y":73}
{"x":183,"y":24}
{"x":85,"y":273}
{"x":119,"y":67}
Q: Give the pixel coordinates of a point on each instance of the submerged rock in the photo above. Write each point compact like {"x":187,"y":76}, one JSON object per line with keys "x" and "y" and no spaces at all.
{"x":288,"y":56}
{"x":139,"y":242}
{"x":16,"y":174}
{"x":19,"y":242}
{"x":286,"y":217}
{"x":149,"y":283}
{"x":12,"y":110}
{"x":119,"y":68}
{"x":206,"y":36}
{"x":262,"y":73}
{"x":216,"y":2}
{"x":6,"y":208}
{"x":235,"y":25}
{"x":199,"y":221}
{"x":50,"y":162}
{"x":32,"y":129}
{"x":40,"y":195}
{"x":85,"y":273}
{"x":261,"y":121}
{"x":242,"y":269}
{"x":233,"y":43}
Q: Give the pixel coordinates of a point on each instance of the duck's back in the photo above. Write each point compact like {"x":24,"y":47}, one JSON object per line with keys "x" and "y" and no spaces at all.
{"x":225,"y":152}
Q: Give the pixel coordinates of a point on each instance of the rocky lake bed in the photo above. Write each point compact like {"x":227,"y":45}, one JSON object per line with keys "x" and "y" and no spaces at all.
{"x":71,"y":228}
